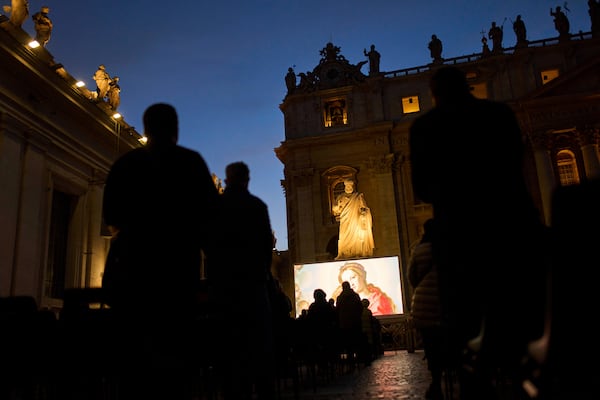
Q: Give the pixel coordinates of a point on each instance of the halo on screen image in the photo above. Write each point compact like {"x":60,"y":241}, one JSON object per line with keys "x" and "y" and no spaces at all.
{"x":380,"y":282}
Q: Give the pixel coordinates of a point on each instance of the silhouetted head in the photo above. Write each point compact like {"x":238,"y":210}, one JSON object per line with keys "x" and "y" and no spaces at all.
{"x":365,"y":303}
{"x":355,"y":274}
{"x":346,"y":286}
{"x":161,"y":125}
{"x":449,"y":84}
{"x":237,"y":174}
{"x":319,"y":294}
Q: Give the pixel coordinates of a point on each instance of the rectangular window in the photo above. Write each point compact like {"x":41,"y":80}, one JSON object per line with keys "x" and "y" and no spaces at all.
{"x":549,"y":74}
{"x":410,"y":104}
{"x":479,"y":90}
{"x":335,"y":113}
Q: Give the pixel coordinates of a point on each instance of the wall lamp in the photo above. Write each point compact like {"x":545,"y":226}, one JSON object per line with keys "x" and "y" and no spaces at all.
{"x":116,"y":115}
{"x":34,"y":44}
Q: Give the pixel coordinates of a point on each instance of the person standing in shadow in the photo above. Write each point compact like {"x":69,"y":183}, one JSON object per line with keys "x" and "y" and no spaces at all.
{"x":426,"y":309}
{"x":157,"y":199}
{"x":349,"y":312}
{"x":238,"y":279}
{"x":489,"y":242}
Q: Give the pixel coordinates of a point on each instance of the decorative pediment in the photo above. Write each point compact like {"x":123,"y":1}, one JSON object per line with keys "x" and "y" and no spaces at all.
{"x":333,"y":71}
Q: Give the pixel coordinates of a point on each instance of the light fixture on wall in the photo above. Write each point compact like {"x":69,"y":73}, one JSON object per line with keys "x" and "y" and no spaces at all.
{"x":34,"y":44}
{"x":116,"y":115}
{"x":80,"y":83}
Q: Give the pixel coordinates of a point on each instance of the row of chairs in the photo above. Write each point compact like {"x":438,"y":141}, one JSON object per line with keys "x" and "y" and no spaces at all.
{"x":71,"y":355}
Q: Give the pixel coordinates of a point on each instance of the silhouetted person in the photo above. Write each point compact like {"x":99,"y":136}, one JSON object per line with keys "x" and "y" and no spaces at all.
{"x":238,"y":279}
{"x":42,"y":25}
{"x":520,"y":31}
{"x":349,"y":311}
{"x":374,"y":58}
{"x":426,"y":309}
{"x":435,"y":49}
{"x":561,"y":22}
{"x":157,"y":198}
{"x":489,"y":237}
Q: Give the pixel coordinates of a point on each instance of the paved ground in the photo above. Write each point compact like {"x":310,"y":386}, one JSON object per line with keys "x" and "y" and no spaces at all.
{"x":394,"y":376}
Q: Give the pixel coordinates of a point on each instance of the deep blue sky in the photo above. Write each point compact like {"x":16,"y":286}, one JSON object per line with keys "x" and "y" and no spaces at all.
{"x":222,"y":63}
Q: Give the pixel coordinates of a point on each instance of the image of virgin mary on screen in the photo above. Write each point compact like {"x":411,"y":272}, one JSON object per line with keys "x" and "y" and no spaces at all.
{"x":375,"y":279}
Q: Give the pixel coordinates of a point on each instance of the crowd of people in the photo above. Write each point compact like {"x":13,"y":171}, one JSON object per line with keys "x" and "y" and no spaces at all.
{"x":155,"y":256}
{"x":477,"y":293}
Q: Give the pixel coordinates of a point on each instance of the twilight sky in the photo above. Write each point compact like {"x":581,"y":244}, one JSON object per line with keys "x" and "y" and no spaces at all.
{"x":222,"y":63}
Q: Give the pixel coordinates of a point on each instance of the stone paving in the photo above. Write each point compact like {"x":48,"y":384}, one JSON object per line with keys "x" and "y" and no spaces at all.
{"x":397,"y":375}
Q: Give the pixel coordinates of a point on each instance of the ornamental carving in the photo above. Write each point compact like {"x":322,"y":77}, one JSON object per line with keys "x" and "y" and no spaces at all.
{"x":381,"y":165}
{"x":333,"y":71}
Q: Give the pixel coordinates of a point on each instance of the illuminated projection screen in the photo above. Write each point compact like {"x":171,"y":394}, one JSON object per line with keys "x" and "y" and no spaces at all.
{"x":377,"y":279}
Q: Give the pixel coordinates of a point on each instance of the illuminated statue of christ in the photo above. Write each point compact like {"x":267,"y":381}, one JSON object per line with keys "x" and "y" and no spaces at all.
{"x":356,"y":222}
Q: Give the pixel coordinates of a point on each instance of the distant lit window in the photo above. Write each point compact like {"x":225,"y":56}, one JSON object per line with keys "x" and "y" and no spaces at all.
{"x":479,"y":90}
{"x":549,"y":75}
{"x":410,"y":104}
{"x":335,"y":113}
{"x":567,"y":168}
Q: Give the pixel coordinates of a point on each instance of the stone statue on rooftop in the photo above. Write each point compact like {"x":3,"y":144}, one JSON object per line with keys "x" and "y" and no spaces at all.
{"x":114,"y":93}
{"x":594,"y":11}
{"x":290,"y":80}
{"x":485,"y":49}
{"x":520,"y":32}
{"x":561,"y":22}
{"x":435,"y":49}
{"x":374,"y":58}
{"x":496,"y":34}
{"x":19,"y":11}
{"x":102,"y":82}
{"x":42,"y":25}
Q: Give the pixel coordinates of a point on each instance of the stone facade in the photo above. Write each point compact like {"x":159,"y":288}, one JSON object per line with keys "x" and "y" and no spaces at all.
{"x":56,"y":147}
{"x":553,"y":86}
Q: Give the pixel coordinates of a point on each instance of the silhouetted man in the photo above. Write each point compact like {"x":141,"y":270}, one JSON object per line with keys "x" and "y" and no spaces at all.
{"x":238,"y":289}
{"x":466,"y":159}
{"x":158,"y":199}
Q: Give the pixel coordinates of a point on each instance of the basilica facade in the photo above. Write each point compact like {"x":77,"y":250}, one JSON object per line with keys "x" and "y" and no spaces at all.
{"x":341,"y":123}
{"x":57,"y":143}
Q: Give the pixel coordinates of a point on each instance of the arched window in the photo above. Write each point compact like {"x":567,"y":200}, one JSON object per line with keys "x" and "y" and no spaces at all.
{"x":567,"y":168}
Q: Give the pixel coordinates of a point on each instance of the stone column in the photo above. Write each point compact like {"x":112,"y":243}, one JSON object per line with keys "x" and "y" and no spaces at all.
{"x":589,"y":150}
{"x":385,"y":227}
{"x":545,"y":172}
{"x":305,"y":218}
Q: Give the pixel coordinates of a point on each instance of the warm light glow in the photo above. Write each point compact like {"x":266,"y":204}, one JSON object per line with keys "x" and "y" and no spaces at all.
{"x":33,"y":44}
{"x":80,"y":83}
{"x":143,"y":140}
{"x":382,"y":276}
{"x":116,"y":115}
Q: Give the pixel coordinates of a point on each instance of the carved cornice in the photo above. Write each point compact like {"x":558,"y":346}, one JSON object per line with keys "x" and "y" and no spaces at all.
{"x":566,"y":112}
{"x":381,"y":165}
